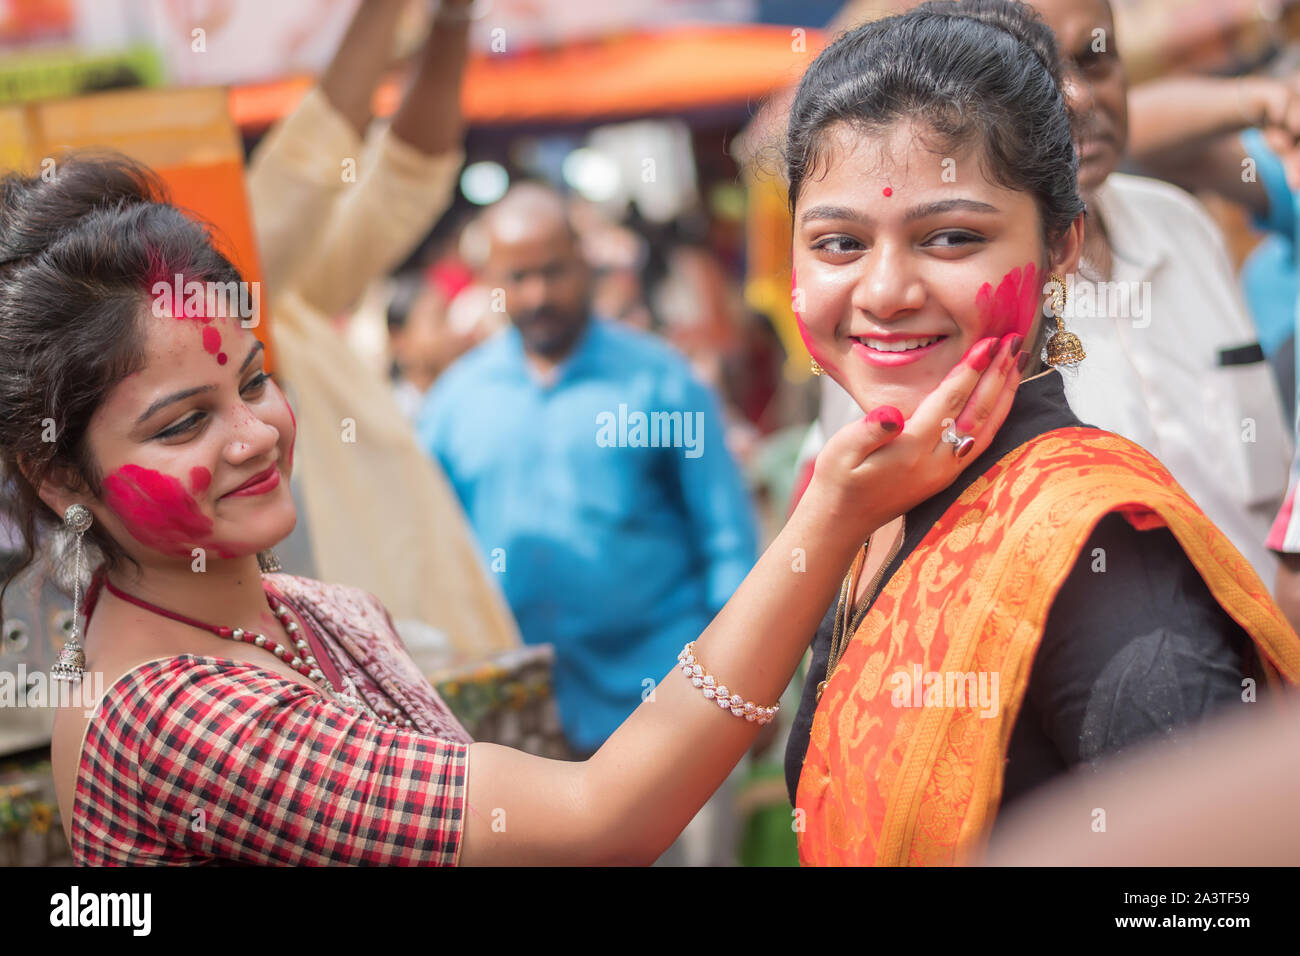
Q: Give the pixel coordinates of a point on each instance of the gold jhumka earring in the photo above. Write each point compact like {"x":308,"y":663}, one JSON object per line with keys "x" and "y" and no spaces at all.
{"x":1063,"y":349}
{"x":816,"y":369}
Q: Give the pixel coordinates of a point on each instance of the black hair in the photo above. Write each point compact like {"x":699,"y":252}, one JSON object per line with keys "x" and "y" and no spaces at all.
{"x":81,"y":245}
{"x":977,"y":73}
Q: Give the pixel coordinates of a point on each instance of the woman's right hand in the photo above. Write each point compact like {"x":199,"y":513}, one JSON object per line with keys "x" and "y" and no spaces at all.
{"x":879,"y":467}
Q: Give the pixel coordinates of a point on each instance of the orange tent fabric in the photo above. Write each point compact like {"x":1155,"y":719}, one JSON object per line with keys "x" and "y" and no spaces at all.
{"x":635,"y":74}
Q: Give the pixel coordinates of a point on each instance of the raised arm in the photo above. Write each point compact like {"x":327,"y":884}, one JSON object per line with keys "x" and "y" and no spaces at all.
{"x":295,"y":174}
{"x":636,"y":794}
{"x":429,"y":117}
{"x":403,"y":184}
{"x":361,"y":60}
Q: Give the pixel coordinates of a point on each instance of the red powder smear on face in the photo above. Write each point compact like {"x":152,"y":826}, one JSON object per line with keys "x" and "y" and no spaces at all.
{"x":981,"y":353}
{"x":200,"y":478}
{"x":156,"y":510}
{"x":294,"y":440}
{"x":171,"y":304}
{"x":803,"y":329}
{"x":887,"y":192}
{"x":211,"y":340}
{"x":1011,"y":308}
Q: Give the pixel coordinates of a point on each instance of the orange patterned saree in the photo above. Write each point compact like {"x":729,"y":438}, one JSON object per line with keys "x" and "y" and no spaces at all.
{"x":909,"y":740}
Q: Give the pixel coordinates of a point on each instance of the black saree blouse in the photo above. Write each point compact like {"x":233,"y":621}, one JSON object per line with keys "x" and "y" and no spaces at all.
{"x":1127,"y":653}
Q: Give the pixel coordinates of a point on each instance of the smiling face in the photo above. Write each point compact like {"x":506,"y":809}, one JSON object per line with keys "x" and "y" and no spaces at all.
{"x":195,"y":449}
{"x":898,"y":273}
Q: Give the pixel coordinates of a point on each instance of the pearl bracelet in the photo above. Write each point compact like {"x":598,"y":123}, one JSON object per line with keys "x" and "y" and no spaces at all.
{"x":719,"y":693}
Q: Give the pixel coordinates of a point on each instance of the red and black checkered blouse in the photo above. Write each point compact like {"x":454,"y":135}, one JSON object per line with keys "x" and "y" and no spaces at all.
{"x":197,"y":760}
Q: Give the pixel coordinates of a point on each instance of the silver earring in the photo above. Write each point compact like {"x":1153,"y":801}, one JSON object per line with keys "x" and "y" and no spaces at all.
{"x":268,"y":562}
{"x":71,"y":664}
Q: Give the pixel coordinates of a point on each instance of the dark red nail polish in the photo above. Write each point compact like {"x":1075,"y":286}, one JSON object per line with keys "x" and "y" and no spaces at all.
{"x":889,"y":417}
{"x":1022,"y":360}
{"x":981,"y":354}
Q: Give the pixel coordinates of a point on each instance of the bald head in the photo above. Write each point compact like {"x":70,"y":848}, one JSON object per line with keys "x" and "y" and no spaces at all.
{"x":534,"y":257}
{"x":528,"y":211}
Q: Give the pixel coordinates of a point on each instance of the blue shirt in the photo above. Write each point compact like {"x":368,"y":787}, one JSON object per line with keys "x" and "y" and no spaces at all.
{"x":606,"y":502}
{"x":1269,"y":273}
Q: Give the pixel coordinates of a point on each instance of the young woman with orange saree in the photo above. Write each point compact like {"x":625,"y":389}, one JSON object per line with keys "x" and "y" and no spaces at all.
{"x":1063,"y":597}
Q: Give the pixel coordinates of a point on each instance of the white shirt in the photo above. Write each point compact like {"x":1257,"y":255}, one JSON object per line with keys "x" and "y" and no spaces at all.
{"x":1152,"y":371}
{"x":1153,"y":375}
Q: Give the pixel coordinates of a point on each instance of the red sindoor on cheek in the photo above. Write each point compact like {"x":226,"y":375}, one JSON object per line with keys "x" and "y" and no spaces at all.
{"x":816,"y":353}
{"x":200,"y":478}
{"x":293,"y":440}
{"x":157,"y":510}
{"x":1011,"y":308}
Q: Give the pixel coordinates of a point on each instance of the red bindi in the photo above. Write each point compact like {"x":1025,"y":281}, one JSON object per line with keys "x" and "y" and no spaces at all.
{"x":887,"y":192}
{"x":211,"y":339}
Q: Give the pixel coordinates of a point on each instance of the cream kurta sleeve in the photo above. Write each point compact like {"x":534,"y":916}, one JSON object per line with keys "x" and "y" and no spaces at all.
{"x":381,"y":514}
{"x":375,"y":223}
{"x":295,"y":177}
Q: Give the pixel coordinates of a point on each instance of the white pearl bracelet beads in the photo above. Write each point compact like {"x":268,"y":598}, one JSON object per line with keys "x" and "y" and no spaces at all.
{"x":718,"y":693}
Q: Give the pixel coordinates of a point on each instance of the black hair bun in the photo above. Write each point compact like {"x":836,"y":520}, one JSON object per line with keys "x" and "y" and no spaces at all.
{"x":36,"y":210}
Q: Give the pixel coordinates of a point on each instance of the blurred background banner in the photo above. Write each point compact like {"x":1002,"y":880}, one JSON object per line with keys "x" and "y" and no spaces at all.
{"x":249,"y":41}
